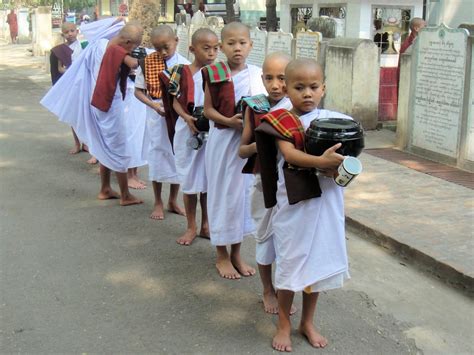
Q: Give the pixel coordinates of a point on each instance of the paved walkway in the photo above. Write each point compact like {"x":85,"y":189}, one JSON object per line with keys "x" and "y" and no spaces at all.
{"x":424,"y":218}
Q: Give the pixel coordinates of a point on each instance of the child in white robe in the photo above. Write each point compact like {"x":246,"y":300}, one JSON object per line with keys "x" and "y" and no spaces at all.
{"x":186,"y":96}
{"x":273,"y":77}
{"x":157,"y":146}
{"x":228,"y":189}
{"x":308,"y":233}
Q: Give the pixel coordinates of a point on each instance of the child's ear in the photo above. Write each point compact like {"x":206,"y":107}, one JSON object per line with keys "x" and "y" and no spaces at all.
{"x":176,"y":39}
{"x":324,"y":89}
{"x":191,"y":49}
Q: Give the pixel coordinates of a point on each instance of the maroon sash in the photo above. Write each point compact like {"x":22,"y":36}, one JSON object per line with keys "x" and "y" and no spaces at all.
{"x":301,"y":183}
{"x":185,"y":96}
{"x":222,"y":94}
{"x":111,"y":69}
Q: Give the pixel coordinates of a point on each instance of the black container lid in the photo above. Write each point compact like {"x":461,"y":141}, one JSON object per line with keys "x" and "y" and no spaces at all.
{"x":331,"y":128}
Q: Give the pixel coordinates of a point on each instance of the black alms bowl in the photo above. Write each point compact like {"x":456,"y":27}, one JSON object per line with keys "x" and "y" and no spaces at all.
{"x":324,"y":133}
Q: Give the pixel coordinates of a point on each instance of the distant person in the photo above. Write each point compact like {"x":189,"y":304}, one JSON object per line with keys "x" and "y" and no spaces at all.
{"x":202,"y":7}
{"x":12,"y":21}
{"x":416,"y":24}
{"x":188,"y":7}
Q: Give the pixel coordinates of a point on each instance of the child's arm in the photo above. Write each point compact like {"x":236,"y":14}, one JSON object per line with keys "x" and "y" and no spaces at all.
{"x":130,"y":62}
{"x":143,"y":97}
{"x":211,"y":113}
{"x":330,"y":160}
{"x":247,"y":149}
{"x":188,"y":118}
{"x":61,"y":67}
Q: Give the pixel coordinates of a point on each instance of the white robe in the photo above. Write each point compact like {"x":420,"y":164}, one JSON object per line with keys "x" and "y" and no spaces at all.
{"x":157,"y":146}
{"x":69,"y":99}
{"x":228,"y":192}
{"x":190,"y":163}
{"x":135,"y":119}
{"x":309,"y":236}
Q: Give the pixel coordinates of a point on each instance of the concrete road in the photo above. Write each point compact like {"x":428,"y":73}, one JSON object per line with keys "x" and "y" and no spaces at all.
{"x":78,"y":275}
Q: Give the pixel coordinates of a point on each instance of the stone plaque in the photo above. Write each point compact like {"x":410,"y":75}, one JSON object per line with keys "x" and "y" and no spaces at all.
{"x":439,"y":89}
{"x":279,"y":42}
{"x":470,"y":114}
{"x":307,"y":44}
{"x":183,"y":45}
{"x":259,"y":50}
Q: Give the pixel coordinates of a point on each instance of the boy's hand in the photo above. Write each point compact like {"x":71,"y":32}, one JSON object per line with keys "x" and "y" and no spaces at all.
{"x":236,"y":122}
{"x":190,"y":120}
{"x":158,"y":107}
{"x":330,"y":159}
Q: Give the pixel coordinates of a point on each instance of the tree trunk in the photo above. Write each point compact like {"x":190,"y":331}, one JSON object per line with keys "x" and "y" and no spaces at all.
{"x":229,"y":9}
{"x":272,"y":22}
{"x":147,"y":13}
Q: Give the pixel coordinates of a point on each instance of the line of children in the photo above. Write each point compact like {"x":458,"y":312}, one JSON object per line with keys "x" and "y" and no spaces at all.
{"x":301,"y":224}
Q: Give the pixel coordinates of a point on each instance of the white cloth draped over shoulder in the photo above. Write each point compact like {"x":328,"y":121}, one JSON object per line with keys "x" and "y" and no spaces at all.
{"x":157,"y":148}
{"x":105,"y":28}
{"x":104,"y":132}
{"x":135,"y":120}
{"x":190,"y":163}
{"x":228,"y":191}
{"x":309,"y":236}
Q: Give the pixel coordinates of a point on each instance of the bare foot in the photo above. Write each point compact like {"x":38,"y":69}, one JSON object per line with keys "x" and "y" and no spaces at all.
{"x":293,"y":310}
{"x":157,"y":212}
{"x":135,"y":184}
{"x":92,"y":161}
{"x":313,"y":336}
{"x":204,"y":232}
{"x":270,"y":302}
{"x":187,"y":238}
{"x":174,"y":208}
{"x":130,"y":200}
{"x":282,"y":340}
{"x":142,"y":182}
{"x":226,"y":269}
{"x":85,"y":148}
{"x":108,"y":195}
{"x":75,"y":150}
{"x":242,"y":267}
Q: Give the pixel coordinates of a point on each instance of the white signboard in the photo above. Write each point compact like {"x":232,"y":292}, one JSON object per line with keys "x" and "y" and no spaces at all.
{"x":439,"y":89}
{"x":470,"y":114}
{"x":183,"y":44}
{"x":307,"y":44}
{"x":279,"y":42}
{"x":259,"y":49}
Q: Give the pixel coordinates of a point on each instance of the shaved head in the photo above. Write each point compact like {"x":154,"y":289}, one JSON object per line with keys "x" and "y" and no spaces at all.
{"x":234,"y":27}
{"x":132,"y":32}
{"x":276,"y":57}
{"x":162,"y":31}
{"x":417,"y":23}
{"x":202,"y":33}
{"x":300,"y":66}
{"x":66,"y":26}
